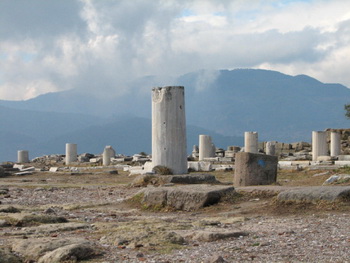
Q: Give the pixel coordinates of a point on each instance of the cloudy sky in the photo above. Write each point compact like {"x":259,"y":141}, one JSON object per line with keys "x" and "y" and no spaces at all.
{"x":99,"y":45}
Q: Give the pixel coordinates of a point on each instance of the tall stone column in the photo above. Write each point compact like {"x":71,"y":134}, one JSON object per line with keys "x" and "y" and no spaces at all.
{"x":335,"y":144}
{"x":108,"y":153}
{"x":22,"y":156}
{"x":71,"y":153}
{"x":169,"y":128}
{"x":251,"y":142}
{"x":205,"y":147}
{"x":270,"y":148}
{"x":319,"y":144}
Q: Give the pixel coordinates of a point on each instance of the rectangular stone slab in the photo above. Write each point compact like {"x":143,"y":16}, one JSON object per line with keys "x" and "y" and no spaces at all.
{"x":186,"y":197}
{"x":315,"y":193}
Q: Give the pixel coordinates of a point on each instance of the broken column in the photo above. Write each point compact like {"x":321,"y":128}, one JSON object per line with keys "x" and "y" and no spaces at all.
{"x":22,"y":156}
{"x":169,"y":128}
{"x":335,"y":144}
{"x":270,"y":148}
{"x":251,"y":142}
{"x":255,"y":169}
{"x":108,"y":153}
{"x":319,"y":144}
{"x":71,"y":153}
{"x":205,"y":147}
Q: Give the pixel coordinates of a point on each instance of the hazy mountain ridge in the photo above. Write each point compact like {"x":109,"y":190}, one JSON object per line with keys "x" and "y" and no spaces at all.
{"x":228,"y":102}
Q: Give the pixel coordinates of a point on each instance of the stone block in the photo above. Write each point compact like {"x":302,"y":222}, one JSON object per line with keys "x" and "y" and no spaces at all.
{"x":342,"y":163}
{"x":315,"y":193}
{"x":343,"y":157}
{"x":255,"y":169}
{"x":185,"y":197}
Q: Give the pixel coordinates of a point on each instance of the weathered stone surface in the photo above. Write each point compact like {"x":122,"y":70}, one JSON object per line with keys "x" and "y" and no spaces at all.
{"x":315,"y":193}
{"x":194,"y":179}
{"x":255,"y":169}
{"x":24,"y":219}
{"x":337,"y":178}
{"x":50,"y":228}
{"x":209,"y":236}
{"x":187,"y":197}
{"x":7,"y":257}
{"x":33,"y":249}
{"x":71,"y":253}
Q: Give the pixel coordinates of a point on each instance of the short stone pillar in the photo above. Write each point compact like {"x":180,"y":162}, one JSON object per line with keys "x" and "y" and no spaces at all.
{"x":205,"y":147}
{"x":319,"y":144}
{"x":169,"y":128}
{"x":22,"y":156}
{"x":270,"y":148}
{"x":71,"y":153}
{"x":335,"y":144}
{"x":251,"y":142}
{"x":255,"y":169}
{"x":108,"y":153}
{"x":195,"y":151}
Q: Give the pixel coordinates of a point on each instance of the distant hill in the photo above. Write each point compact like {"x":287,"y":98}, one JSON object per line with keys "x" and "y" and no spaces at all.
{"x":222,"y":103}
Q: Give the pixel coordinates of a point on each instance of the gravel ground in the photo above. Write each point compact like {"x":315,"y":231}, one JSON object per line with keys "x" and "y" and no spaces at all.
{"x":298,"y":236}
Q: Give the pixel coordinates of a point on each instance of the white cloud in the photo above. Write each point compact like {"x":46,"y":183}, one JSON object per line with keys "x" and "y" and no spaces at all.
{"x":101,"y":45}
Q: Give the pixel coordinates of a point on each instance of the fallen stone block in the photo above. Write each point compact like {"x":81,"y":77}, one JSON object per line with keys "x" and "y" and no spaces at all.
{"x":73,"y":252}
{"x":315,"y":193}
{"x":33,"y":249}
{"x":187,"y":197}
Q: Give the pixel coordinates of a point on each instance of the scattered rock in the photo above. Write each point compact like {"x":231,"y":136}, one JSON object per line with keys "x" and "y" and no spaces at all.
{"x":4,"y":191}
{"x":7,"y":257}
{"x":33,"y":249}
{"x":4,"y":223}
{"x":71,"y":253}
{"x":9,"y":209}
{"x":175,"y":238}
{"x":50,"y":210}
{"x":209,"y":236}
{"x":27,"y":220}
{"x":216,"y":259}
{"x":338,"y":178}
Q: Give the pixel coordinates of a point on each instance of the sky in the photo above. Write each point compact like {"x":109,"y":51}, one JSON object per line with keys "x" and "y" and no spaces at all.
{"x":100,"y":45}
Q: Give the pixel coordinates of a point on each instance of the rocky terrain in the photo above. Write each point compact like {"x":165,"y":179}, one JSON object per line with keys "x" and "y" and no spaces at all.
{"x":88,"y":216}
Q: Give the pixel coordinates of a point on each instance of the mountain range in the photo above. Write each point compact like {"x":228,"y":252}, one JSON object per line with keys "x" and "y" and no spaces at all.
{"x":221,"y":103}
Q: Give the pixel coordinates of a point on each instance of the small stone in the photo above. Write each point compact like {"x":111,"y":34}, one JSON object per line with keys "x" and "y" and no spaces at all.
{"x":216,"y":259}
{"x":139,"y":255}
{"x":49,"y":211}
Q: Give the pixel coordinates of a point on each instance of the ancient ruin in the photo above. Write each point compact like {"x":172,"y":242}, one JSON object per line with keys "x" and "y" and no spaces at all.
{"x":71,"y":153}
{"x":251,"y":142}
{"x":22,"y":156}
{"x":169,"y":129}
